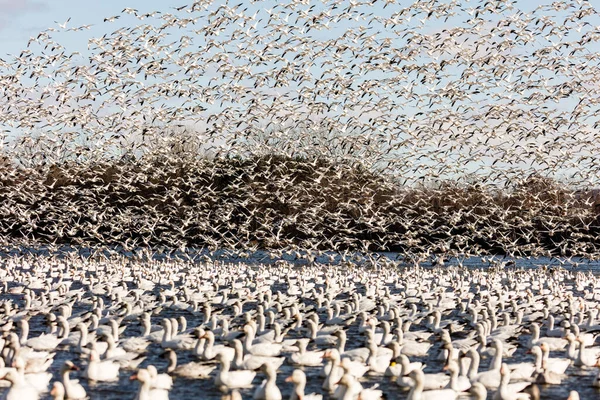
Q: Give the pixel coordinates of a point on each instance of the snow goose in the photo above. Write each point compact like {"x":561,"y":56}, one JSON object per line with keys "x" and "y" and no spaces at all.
{"x":298,"y":378}
{"x":259,"y":349}
{"x":58,"y":391}
{"x":586,"y":357}
{"x":551,"y":331}
{"x":547,"y":377}
{"x":335,"y":371}
{"x":39,"y":379}
{"x":377,"y":363}
{"x":101,"y":370}
{"x":304,"y":357}
{"x":191,"y":370}
{"x":73,"y":388}
{"x":211,"y":350}
{"x":512,"y":392}
{"x":159,"y":381}
{"x":44,"y":341}
{"x":417,"y":392}
{"x":457,"y":382}
{"x":169,"y":341}
{"x":556,"y":365}
{"x":226,"y":379}
{"x":552,"y":342}
{"x":349,"y":388}
{"x":431,"y":381}
{"x":252,"y":362}
{"x":412,"y":348}
{"x":20,"y":389}
{"x":478,"y":392}
{"x":145,"y":391}
{"x":268,"y":389}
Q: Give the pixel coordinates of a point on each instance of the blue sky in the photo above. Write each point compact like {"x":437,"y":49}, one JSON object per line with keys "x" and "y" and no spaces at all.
{"x":21,"y":19}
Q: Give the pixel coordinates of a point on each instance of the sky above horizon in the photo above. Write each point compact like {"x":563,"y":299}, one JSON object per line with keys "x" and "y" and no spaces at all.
{"x":22,"y":19}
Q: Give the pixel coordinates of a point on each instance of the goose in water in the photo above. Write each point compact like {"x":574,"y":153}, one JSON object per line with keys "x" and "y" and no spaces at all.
{"x":170,"y":341}
{"x":358,"y":354}
{"x":431,"y":381}
{"x":556,"y":365}
{"x":45,"y":341}
{"x":259,"y":349}
{"x":304,"y":357}
{"x":226,"y":379}
{"x":58,"y":391}
{"x":252,"y":362}
{"x":586,"y":357}
{"x":417,"y":392}
{"x":412,"y":348}
{"x":101,"y":370}
{"x":211,"y":350}
{"x":268,"y":389}
{"x":159,"y":381}
{"x":491,"y":378}
{"x":73,"y":389}
{"x":145,"y":391}
{"x":298,"y":378}
{"x":335,"y":372}
{"x":349,"y":388}
{"x":509,"y":392}
{"x":377,"y":363}
{"x":457,"y":382}
{"x":477,"y":392}
{"x":553,"y":343}
{"x":39,"y":380}
{"x":20,"y":389}
{"x":403,"y":380}
{"x":548,"y":377}
{"x":191,"y":370}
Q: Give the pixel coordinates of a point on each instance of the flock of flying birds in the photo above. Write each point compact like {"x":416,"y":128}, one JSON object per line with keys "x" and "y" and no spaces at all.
{"x":460,"y":127}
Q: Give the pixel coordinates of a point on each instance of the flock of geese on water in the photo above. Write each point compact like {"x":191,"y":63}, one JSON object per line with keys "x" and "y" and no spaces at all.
{"x":421,"y":93}
{"x":334,"y":331}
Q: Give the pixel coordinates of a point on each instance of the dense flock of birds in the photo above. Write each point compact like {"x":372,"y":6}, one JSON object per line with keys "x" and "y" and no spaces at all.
{"x":443,"y":128}
{"x":284,"y":331}
{"x":158,"y":132}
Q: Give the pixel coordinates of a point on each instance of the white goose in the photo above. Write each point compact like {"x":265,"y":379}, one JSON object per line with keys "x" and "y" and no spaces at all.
{"x":211,"y":350}
{"x":101,"y":370}
{"x":268,"y":389}
{"x":191,"y":370}
{"x":145,"y":391}
{"x":259,"y":349}
{"x":73,"y":389}
{"x":20,"y":389}
{"x":298,"y":378}
{"x":252,"y":362}
{"x":512,"y":392}
{"x":304,"y":357}
{"x":552,"y":342}
{"x":226,"y":379}
{"x":417,"y":392}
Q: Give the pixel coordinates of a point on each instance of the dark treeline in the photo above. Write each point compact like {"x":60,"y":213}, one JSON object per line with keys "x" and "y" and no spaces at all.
{"x":283,"y":203}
